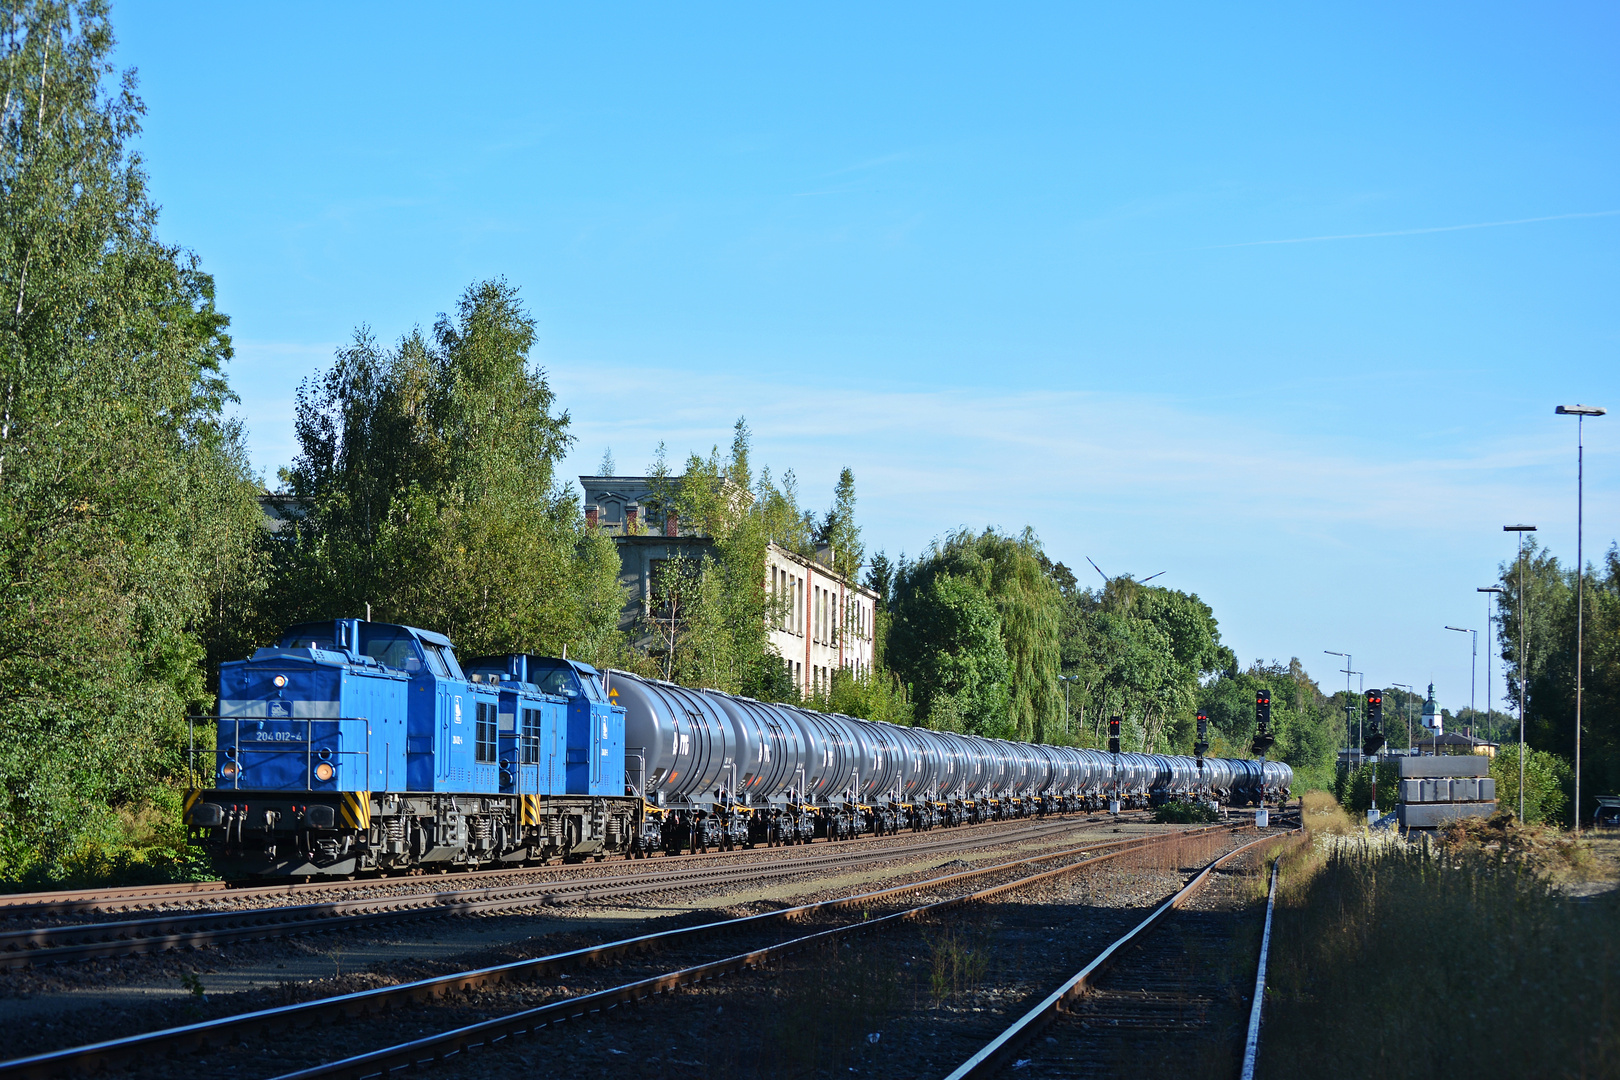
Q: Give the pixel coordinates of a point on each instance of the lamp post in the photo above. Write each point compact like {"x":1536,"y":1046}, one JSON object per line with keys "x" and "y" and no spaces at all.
{"x":1348,"y":664}
{"x":1359,"y":700}
{"x":1408,"y":711}
{"x":1521,"y":530}
{"x":1490,"y":644}
{"x":1066,"y":680}
{"x":1473,"y":670}
{"x":1580,"y":412}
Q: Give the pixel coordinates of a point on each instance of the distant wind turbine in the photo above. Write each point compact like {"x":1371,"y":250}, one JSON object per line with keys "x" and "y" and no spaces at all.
{"x":1107,"y":579}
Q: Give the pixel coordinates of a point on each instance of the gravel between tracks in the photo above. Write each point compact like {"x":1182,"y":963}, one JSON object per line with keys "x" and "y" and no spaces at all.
{"x":912,"y":1000}
{"x":270,"y":895}
{"x":72,"y":1004}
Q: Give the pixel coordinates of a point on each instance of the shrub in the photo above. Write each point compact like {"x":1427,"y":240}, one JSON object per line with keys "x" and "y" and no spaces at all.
{"x":1354,"y":788}
{"x":1185,"y":813}
{"x":1547,"y":780}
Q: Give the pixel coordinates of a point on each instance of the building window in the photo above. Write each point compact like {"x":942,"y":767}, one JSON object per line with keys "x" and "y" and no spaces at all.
{"x":484,"y":733}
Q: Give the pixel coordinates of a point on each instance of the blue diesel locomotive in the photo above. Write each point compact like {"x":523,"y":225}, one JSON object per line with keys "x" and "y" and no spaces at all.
{"x":353,"y":746}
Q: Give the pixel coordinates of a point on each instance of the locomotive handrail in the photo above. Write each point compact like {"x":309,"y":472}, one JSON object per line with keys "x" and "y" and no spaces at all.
{"x":276,"y":746}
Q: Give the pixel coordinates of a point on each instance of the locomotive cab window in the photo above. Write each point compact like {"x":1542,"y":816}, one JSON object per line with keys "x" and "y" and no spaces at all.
{"x":391,"y":647}
{"x":435,"y":660}
{"x":484,"y":733}
{"x":309,"y":636}
{"x":553,"y":680}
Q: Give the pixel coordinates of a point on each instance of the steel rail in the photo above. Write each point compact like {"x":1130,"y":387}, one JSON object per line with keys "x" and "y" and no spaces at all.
{"x":126,"y":898}
{"x":999,"y":1050}
{"x":445,"y":1044}
{"x":99,"y":940}
{"x":66,"y":898}
{"x":1251,"y":1044}
{"x":80,"y":1059}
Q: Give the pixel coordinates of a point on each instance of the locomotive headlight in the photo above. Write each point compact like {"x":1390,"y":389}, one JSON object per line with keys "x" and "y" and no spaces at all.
{"x":280,"y":681}
{"x":324,"y":771}
{"x":228,"y":770}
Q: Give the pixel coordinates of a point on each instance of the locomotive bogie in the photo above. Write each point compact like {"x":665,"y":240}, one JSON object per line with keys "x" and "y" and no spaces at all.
{"x":270,"y":833}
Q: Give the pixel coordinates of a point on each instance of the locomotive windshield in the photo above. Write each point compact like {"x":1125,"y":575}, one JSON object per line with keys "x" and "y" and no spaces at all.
{"x":309,"y":636}
{"x":391,"y":647}
{"x":557,"y":678}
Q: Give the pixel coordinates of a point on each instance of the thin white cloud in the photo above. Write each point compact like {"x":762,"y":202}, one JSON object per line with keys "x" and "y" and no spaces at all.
{"x":1416,"y":232}
{"x":941,"y":458}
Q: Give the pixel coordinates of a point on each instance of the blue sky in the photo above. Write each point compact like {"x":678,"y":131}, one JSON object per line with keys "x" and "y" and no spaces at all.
{"x":1278,"y":300}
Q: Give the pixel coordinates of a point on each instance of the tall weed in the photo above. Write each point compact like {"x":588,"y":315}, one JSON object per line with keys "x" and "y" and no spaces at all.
{"x":1396,"y":960}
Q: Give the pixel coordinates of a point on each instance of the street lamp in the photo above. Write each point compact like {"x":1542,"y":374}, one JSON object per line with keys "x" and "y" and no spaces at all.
{"x":1580,"y":412}
{"x":1521,"y":530}
{"x":1359,"y":701}
{"x":1473,"y":669}
{"x":1490,"y":645}
{"x":1348,"y":664}
{"x":1066,"y":680}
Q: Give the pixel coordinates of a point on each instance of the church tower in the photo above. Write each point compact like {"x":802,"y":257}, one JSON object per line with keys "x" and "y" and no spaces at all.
{"x":1431,"y":714}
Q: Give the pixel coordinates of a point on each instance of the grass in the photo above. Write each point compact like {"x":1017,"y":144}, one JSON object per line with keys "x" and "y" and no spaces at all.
{"x":958,"y":958}
{"x":1324,"y":815}
{"x":1448,"y":957}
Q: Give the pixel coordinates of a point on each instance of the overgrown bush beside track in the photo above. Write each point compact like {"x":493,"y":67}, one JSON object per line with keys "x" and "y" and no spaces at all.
{"x":1185,"y":813}
{"x":1442,"y":958}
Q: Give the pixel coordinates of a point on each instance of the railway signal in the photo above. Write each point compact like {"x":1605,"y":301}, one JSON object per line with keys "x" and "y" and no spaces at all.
{"x":1201,"y":747}
{"x":1375,"y":724}
{"x":1263,"y":739}
{"x":1113,"y":735}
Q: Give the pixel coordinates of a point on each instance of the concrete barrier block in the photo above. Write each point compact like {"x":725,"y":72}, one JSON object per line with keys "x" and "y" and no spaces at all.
{"x":1461,"y":765}
{"x":1433,"y":815}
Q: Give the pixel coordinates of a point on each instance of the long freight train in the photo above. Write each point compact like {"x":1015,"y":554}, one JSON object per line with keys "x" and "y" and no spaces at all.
{"x":355,"y":746}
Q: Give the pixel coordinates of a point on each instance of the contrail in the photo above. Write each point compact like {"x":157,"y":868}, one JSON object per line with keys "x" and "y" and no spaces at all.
{"x":1415,"y":232}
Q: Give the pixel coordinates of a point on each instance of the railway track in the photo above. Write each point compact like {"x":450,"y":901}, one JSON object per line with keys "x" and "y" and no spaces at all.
{"x":1150,"y":1000}
{"x":229,"y":1031}
{"x":75,"y":942}
{"x":16,"y":907}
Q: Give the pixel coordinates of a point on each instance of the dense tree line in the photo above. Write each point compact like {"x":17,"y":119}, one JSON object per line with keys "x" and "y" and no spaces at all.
{"x":1548,"y":673}
{"x":129,"y":531}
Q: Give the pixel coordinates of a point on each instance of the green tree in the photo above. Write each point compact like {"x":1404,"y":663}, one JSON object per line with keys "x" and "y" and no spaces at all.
{"x":946,"y":644}
{"x":974,"y":632}
{"x":1139,"y":652}
{"x":838,"y":528}
{"x":1548,"y":783}
{"x":428,"y":471}
{"x":1307,"y":727}
{"x":711,"y":612}
{"x":1548,"y":677}
{"x":128,"y":525}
